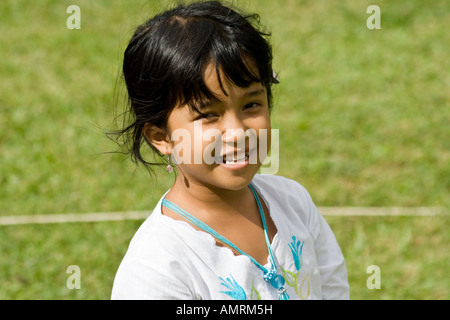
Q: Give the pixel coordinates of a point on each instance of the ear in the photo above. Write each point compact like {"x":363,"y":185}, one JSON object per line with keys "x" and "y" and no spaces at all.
{"x":158,"y":138}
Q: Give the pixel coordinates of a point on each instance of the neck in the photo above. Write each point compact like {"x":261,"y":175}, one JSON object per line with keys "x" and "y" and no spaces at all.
{"x":204,"y":199}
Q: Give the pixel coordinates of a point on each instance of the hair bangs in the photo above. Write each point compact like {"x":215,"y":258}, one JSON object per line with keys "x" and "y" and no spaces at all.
{"x":234,"y":57}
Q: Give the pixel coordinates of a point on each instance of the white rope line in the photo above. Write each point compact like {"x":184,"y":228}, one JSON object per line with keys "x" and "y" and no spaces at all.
{"x":74,"y":217}
{"x":381,"y":211}
{"x":141,"y":215}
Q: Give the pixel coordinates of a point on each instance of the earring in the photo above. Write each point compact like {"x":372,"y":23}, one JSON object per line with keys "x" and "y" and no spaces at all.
{"x":169,"y":168}
{"x":275,"y":78}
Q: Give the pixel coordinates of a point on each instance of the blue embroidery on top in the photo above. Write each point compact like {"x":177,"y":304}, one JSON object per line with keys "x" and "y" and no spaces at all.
{"x":296,"y":249}
{"x":236,"y":291}
{"x":301,"y":286}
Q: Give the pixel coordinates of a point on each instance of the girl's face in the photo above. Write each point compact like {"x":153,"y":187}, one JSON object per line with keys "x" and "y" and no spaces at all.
{"x":225,"y":145}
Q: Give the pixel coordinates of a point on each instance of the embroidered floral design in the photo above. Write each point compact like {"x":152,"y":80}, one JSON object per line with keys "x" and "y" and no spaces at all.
{"x":305,"y":278}
{"x":236,"y":291}
{"x":296,"y":249}
{"x":292,"y":278}
{"x":254,"y":294}
{"x":302,"y":288}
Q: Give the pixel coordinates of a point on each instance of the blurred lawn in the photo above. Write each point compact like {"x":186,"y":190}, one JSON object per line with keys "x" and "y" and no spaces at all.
{"x":363,"y":115}
{"x":412,"y":253}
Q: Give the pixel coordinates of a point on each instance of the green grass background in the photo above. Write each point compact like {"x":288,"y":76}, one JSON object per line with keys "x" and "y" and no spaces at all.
{"x":363,"y":116}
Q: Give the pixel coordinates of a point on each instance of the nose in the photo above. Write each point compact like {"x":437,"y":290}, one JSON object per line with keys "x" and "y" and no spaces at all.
{"x":233,"y":130}
{"x":237,"y":138}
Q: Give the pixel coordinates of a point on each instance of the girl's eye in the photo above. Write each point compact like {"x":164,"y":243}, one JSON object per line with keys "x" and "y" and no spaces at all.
{"x":207,"y":115}
{"x":251,"y":105}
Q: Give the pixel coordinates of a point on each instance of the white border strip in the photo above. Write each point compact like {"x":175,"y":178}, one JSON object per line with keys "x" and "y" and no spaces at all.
{"x":381,"y":211}
{"x":141,"y":215}
{"x":74,"y":217}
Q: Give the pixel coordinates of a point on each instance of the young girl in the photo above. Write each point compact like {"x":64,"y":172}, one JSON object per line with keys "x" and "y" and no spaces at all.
{"x":200,"y":76}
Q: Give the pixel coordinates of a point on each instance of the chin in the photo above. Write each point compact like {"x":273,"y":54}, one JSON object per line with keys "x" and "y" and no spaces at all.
{"x":220,"y":177}
{"x":236,"y":180}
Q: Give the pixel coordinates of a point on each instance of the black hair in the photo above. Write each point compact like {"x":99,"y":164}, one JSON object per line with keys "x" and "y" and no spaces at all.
{"x":165,"y":60}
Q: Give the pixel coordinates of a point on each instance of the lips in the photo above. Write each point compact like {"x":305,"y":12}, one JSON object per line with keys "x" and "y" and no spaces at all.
{"x":236,"y":157}
{"x":233,"y":158}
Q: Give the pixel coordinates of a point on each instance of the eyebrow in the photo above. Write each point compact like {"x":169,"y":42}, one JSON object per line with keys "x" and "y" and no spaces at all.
{"x":253,"y":93}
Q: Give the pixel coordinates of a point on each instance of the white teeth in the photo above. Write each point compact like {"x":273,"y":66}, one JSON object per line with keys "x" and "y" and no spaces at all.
{"x":232,"y":158}
{"x":235,"y":160}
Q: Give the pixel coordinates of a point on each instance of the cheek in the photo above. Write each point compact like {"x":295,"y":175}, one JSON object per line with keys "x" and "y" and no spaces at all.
{"x":207,"y":143}
{"x":195,"y":144}
{"x":182,"y":142}
{"x":264,"y":138}
{"x":212,"y":145}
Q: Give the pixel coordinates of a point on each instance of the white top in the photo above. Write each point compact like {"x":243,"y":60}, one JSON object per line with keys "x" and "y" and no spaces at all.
{"x":169,"y":259}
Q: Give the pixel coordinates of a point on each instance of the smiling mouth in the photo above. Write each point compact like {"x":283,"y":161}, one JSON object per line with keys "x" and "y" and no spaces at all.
{"x":232,"y":158}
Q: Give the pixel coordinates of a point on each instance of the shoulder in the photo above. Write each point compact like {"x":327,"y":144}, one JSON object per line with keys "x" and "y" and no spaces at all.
{"x":281,"y":187}
{"x":157,"y":239}
{"x":286,"y":196}
{"x":275,"y":181}
{"x":154,"y":262}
